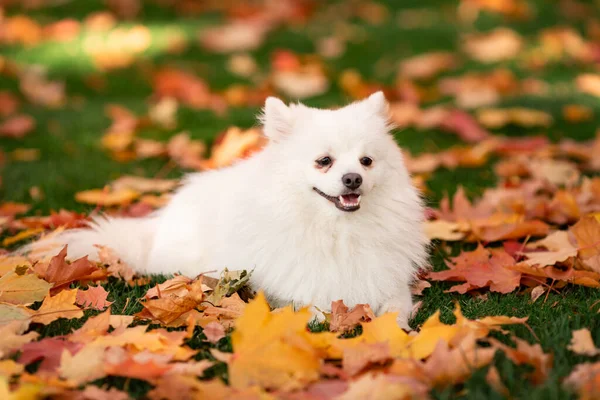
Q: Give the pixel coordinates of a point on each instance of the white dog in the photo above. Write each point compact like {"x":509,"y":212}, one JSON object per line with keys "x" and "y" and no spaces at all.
{"x":326,"y":211}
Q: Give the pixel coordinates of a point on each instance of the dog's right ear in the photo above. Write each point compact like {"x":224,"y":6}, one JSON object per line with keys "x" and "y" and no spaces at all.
{"x":276,"y":119}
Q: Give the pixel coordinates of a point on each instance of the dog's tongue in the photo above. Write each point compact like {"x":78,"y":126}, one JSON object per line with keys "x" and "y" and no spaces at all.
{"x":350,"y":199}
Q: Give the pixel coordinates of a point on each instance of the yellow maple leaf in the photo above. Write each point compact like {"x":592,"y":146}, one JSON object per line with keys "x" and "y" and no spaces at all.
{"x":271,"y":349}
{"x":60,"y":306}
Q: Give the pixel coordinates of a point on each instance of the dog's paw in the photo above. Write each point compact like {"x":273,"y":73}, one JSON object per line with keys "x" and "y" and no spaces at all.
{"x":316,"y":314}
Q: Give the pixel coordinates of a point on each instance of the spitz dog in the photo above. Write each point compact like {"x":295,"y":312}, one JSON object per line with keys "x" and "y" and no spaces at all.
{"x":325,"y":211}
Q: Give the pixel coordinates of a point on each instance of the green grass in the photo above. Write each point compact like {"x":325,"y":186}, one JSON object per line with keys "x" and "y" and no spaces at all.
{"x":73,"y":160}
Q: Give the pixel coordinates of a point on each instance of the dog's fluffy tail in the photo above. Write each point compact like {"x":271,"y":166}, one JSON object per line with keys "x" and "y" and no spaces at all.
{"x":129,"y":238}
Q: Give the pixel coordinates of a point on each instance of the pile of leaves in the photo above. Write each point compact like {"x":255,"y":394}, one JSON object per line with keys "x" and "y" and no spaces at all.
{"x":272,"y":353}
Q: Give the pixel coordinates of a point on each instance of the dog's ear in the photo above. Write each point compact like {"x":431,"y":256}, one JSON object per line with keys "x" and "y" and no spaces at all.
{"x":378,"y":103}
{"x":276,"y":119}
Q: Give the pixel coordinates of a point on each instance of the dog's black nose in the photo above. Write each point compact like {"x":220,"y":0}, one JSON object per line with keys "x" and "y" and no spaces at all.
{"x":352,"y":181}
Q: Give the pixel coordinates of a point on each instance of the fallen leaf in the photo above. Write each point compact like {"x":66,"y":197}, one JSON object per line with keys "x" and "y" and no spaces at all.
{"x":582,"y":343}
{"x":14,"y":337}
{"x":589,"y":83}
{"x":60,"y":272}
{"x":343,"y":319}
{"x":585,"y":379}
{"x":232,"y":145}
{"x":357,"y":358}
{"x":84,"y":366}
{"x":427,"y":65}
{"x":60,"y":306}
{"x":481,"y":268}
{"x":49,"y":350}
{"x":497,"y":45}
{"x":106,"y":198}
{"x":143,"y":185}
{"x":214,"y":332}
{"x":276,"y":343}
{"x":94,"y":297}
{"x":23,"y":289}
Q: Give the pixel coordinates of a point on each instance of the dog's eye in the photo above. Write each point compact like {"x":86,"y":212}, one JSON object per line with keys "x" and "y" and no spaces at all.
{"x":324,"y":161}
{"x":366,"y":161}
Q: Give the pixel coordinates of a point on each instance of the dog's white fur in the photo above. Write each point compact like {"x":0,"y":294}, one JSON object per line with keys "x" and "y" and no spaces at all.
{"x":262,"y":214}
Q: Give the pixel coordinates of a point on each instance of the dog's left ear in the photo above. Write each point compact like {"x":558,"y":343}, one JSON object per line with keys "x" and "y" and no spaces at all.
{"x":378,"y":103}
{"x":276,"y":118}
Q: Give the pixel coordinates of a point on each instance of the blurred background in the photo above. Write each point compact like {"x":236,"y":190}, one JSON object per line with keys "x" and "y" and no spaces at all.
{"x":91,"y":90}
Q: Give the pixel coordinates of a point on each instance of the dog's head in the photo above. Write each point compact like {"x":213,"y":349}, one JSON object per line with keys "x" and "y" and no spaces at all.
{"x":338,"y":156}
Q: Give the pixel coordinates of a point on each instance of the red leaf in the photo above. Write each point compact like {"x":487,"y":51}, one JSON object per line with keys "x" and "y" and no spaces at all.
{"x":94,"y":297}
{"x":17,"y":126}
{"x":214,"y":332}
{"x":481,"y":268}
{"x":60,"y":272}
{"x":465,"y":126}
{"x":49,"y":350}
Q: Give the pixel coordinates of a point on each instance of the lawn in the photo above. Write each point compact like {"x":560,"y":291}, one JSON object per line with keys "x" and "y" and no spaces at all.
{"x":370,"y":39}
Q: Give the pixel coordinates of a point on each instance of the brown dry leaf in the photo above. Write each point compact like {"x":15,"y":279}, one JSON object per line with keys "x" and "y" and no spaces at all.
{"x":164,"y":113}
{"x":148,"y":148}
{"x":559,"y":246}
{"x":183,"y":87}
{"x":171,"y":307}
{"x":26,"y":234}
{"x":495,"y":118}
{"x":498,"y":45}
{"x":23,"y":288}
{"x":301,"y":84}
{"x":9,"y":263}
{"x":143,"y":185}
{"x":557,"y":172}
{"x":464,"y":125}
{"x":495,"y":381}
{"x":585,"y":379}
{"x":214,"y":332}
{"x":107,"y":198}
{"x":446,"y":230}
{"x":589,"y":83}
{"x":379,"y":387}
{"x":343,"y":319}
{"x":417,"y":287}
{"x":428,"y":65}
{"x":454,"y":365}
{"x":177,"y":286}
{"x":85,"y":366}
{"x":94,"y":297}
{"x":233,"y":145}
{"x":17,"y":126}
{"x":60,"y":272}
{"x":185,"y":151}
{"x":537,"y":292}
{"x":138,"y":370}
{"x":10,"y":208}
{"x":60,"y":306}
{"x":526,"y":353}
{"x":481,"y":268}
{"x":14,"y":337}
{"x":582,"y":343}
{"x":586,"y":233}
{"x":357,"y":358}
{"x":39,"y":90}
{"x":576,"y":113}
{"x":234,"y":37}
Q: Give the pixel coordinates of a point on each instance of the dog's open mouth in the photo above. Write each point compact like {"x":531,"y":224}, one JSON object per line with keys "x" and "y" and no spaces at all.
{"x":345,"y":202}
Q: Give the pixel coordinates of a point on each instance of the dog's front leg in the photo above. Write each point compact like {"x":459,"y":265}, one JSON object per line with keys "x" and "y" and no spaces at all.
{"x":400,"y":303}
